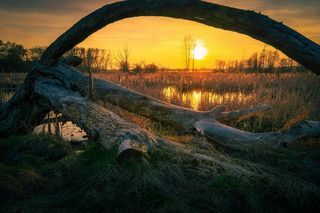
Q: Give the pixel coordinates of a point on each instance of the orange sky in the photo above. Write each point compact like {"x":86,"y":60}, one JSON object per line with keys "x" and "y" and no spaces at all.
{"x":160,"y":40}
{"x":151,"y":39}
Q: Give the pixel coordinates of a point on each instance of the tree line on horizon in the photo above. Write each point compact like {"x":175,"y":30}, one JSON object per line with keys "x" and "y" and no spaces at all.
{"x":266,"y":61}
{"x":16,"y":58}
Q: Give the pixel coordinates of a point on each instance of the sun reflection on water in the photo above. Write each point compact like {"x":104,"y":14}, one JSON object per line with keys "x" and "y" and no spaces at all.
{"x":196,"y":98}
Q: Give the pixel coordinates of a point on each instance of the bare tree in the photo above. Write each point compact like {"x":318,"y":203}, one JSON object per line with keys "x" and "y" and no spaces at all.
{"x":272,"y":60}
{"x":123,"y":59}
{"x":220,"y":65}
{"x":188,"y":47}
{"x":108,"y":61}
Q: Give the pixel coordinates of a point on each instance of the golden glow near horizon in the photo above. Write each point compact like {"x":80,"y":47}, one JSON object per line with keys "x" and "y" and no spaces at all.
{"x":196,"y":99}
{"x":160,"y":40}
{"x":199,"y":51}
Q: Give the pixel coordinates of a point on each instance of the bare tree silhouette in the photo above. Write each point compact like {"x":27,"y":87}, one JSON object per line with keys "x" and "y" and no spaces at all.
{"x":122,"y":59}
{"x":188,"y":46}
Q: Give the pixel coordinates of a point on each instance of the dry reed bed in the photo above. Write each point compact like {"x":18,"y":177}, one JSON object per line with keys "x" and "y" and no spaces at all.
{"x":293,"y":96}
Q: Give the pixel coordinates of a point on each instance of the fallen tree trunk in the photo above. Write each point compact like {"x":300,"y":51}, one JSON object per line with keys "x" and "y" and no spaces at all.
{"x":110,"y":131}
{"x":107,"y":91}
{"x":185,"y":119}
{"x":53,"y":85}
{"x":101,"y":125}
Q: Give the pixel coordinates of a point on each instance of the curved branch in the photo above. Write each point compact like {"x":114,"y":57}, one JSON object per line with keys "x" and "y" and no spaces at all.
{"x":235,"y":138}
{"x":258,"y":26}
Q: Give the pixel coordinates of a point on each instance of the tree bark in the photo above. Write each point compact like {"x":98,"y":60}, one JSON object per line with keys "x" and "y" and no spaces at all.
{"x":258,"y":26}
{"x":101,"y":125}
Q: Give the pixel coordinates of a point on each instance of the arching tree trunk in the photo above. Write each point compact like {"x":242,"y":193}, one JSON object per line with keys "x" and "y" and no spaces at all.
{"x":256,"y":25}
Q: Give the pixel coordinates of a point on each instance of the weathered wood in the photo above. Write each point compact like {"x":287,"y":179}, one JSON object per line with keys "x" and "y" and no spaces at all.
{"x":188,"y":120}
{"x":110,"y":131}
{"x":107,"y":91}
{"x":29,"y":106}
{"x":258,"y":26}
{"x":101,"y":125}
{"x":238,"y":139}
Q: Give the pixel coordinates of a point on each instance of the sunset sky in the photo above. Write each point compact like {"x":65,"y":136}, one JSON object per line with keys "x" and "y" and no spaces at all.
{"x":151,"y":39}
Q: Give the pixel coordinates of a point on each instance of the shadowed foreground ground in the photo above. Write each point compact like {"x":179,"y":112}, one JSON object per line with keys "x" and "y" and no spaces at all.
{"x":44,"y":174}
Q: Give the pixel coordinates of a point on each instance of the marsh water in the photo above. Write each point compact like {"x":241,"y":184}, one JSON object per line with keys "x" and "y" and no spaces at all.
{"x":68,"y":131}
{"x":196,"y":98}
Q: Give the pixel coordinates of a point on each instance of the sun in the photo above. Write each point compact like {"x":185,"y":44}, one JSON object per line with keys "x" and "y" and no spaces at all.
{"x":199,"y":51}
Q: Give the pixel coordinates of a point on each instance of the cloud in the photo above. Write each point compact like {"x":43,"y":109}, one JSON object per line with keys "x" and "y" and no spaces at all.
{"x":267,"y":4}
{"x":302,"y":15}
{"x":50,"y":6}
{"x":73,"y":6}
{"x":28,"y":17}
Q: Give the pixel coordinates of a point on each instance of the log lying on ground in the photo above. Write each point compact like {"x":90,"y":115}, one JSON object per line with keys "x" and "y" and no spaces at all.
{"x":204,"y":123}
{"x":26,"y":109}
{"x":238,"y":139}
{"x":107,"y":91}
{"x":100,"y":124}
{"x":110,"y":131}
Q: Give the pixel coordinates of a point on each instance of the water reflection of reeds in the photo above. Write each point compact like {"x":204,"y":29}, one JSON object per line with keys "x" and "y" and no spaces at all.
{"x":196,"y":98}
{"x":292,"y":96}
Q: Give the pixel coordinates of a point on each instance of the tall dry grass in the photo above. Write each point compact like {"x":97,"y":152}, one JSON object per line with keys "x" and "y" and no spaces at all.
{"x":292,"y":96}
{"x":9,"y":82}
{"x":259,"y":179}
